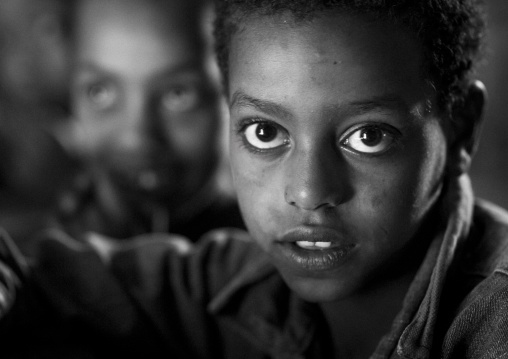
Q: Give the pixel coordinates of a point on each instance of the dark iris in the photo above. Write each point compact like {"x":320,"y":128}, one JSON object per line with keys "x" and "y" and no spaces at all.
{"x":266,"y":132}
{"x":371,"y":136}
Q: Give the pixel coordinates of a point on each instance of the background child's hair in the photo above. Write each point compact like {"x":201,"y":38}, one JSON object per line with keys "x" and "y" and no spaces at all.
{"x":451,"y":32}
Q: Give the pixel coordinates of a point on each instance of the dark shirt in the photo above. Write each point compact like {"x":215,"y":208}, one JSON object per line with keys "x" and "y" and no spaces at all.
{"x":223,"y":298}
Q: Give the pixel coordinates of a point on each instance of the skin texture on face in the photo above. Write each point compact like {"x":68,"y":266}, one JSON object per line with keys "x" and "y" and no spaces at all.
{"x":146,"y":98}
{"x":336,"y":152}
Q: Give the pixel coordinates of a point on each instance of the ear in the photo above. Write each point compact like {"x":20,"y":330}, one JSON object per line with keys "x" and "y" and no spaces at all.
{"x":466,"y":128}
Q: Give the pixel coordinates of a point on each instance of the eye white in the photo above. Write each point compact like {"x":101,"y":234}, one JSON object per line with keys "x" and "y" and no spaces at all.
{"x":265,"y":136}
{"x":369,"y":139}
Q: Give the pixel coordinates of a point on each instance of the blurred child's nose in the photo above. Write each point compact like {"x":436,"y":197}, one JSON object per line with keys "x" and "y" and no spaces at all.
{"x":143,"y":128}
{"x":315,"y":178}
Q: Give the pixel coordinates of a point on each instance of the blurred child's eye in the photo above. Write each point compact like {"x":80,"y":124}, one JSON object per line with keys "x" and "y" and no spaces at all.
{"x":265,"y":135}
{"x":180,"y":99}
{"x":370,"y":139}
{"x":102,"y":95}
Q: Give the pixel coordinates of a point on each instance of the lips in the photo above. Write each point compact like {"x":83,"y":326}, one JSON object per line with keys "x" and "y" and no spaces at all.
{"x":314,"y":248}
{"x":156,"y":178}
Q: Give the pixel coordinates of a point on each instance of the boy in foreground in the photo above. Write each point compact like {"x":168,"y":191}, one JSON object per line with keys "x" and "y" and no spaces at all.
{"x":353,"y":124}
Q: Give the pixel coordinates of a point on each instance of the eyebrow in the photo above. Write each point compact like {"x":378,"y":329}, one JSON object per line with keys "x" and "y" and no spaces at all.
{"x":90,"y":67}
{"x":186,"y":68}
{"x":240,"y":99}
{"x":380,"y":104}
{"x":385,"y":103}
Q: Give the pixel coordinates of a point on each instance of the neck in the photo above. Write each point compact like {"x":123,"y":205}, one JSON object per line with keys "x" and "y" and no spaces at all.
{"x":358,"y":323}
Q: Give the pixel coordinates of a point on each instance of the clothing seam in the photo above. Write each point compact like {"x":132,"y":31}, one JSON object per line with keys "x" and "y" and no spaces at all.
{"x":501,"y":271}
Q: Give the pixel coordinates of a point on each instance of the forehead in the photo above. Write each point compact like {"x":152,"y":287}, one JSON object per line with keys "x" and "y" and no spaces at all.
{"x":153,"y":30}
{"x":14,"y":12}
{"x":360,"y":56}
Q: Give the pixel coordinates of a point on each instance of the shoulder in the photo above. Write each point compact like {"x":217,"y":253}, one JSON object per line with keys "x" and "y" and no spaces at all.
{"x":222,"y":212}
{"x":107,"y":285}
{"x":151,"y":260}
{"x":486,"y":249}
{"x":196,"y":270}
{"x":479,"y":328}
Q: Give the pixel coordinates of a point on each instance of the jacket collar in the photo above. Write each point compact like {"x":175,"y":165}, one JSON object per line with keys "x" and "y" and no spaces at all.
{"x":416,"y":331}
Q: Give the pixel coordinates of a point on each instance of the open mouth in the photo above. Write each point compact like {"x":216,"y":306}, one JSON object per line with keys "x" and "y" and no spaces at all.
{"x":313,"y":245}
{"x":314,"y":248}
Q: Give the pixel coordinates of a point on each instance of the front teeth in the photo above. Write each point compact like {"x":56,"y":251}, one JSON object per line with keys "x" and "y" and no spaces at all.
{"x":313,"y":245}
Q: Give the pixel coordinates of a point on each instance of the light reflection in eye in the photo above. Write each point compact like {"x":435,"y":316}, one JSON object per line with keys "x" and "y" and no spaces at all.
{"x":102,"y":95}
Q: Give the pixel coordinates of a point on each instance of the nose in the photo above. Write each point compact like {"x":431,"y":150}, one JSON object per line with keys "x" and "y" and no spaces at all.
{"x":142,"y":129}
{"x":315,"y":178}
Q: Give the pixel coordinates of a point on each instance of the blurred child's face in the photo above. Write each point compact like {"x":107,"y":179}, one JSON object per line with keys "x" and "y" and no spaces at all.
{"x":336,"y":153}
{"x":146,"y":96}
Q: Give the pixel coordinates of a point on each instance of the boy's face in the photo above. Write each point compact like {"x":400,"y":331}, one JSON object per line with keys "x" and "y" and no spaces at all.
{"x":336,"y":153}
{"x":146,"y":97}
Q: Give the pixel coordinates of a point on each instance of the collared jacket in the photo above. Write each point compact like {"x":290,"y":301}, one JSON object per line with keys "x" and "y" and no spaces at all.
{"x":224,"y":299}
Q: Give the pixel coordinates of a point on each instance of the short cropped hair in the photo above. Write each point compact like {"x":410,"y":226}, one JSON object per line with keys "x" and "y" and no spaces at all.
{"x":450,"y":31}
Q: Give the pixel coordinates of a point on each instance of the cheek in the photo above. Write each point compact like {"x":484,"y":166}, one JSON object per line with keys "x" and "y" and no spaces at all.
{"x":393,"y":197}
{"x":259,"y":195}
{"x":194,"y":137}
{"x":249,"y":187}
{"x":90,"y":135}
{"x":426,"y":171}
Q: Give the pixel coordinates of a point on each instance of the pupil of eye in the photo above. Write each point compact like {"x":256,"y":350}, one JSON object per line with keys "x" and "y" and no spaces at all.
{"x":176,"y":95}
{"x":371,"y":136}
{"x":266,"y":133}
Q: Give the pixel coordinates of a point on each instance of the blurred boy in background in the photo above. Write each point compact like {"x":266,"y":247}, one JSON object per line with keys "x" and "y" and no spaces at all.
{"x":148,"y":111}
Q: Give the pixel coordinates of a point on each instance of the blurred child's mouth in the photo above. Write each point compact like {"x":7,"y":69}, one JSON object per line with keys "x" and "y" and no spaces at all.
{"x":147,"y":180}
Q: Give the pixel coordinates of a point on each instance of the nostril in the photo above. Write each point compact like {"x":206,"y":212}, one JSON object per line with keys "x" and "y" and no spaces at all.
{"x":287,"y":199}
{"x":312,"y":200}
{"x":315,"y":179}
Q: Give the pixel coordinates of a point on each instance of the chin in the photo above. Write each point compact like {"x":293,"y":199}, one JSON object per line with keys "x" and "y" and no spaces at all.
{"x":318,"y":290}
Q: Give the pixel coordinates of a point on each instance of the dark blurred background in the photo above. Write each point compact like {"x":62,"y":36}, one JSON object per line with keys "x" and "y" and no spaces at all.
{"x":490,"y":166}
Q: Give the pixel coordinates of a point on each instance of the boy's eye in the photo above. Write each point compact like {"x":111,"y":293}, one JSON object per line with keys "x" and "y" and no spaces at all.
{"x":180,"y":99}
{"x":370,"y":139}
{"x":102,"y":95}
{"x":264,"y":135}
